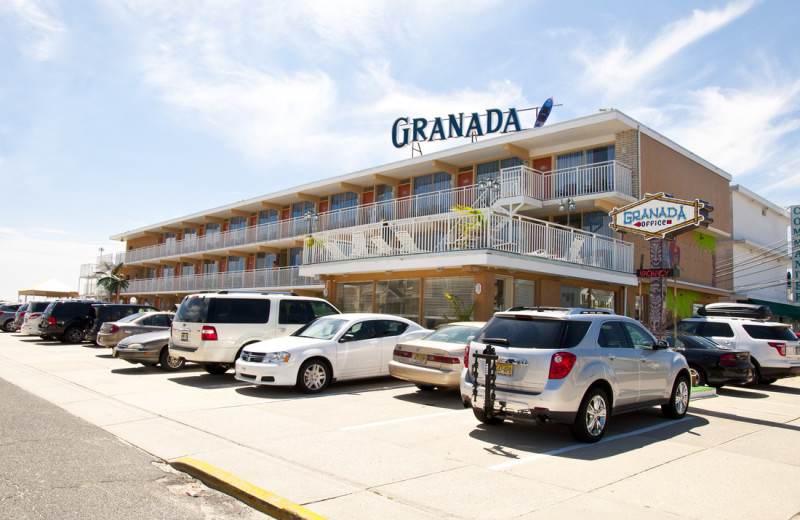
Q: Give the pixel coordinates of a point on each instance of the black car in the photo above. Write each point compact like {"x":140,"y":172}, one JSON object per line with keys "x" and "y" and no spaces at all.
{"x":7,"y":312}
{"x":65,"y":320}
{"x":714,"y":365}
{"x":111,"y":312}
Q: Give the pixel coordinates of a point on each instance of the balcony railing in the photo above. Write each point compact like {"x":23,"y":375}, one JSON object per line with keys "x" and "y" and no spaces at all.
{"x":591,"y":179}
{"x":254,"y":279}
{"x":471,"y":230}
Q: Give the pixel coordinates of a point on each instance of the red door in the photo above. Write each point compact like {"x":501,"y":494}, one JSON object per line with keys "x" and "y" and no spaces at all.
{"x":545,"y":165}
{"x":403,"y":202}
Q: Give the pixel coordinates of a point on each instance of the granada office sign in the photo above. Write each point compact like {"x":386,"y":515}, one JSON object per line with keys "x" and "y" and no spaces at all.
{"x":659,"y":215}
{"x":406,"y":131}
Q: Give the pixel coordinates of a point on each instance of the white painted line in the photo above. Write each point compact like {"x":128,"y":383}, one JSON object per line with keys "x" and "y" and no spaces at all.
{"x":515,"y":462}
{"x":405,"y":419}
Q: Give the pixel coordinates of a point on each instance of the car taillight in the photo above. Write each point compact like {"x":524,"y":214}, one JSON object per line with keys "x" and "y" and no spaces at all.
{"x":401,"y":353}
{"x":208,"y":333}
{"x":33,"y":316}
{"x":560,"y":364}
{"x":444,"y":359}
{"x":727,"y":360}
{"x":780,"y":347}
{"x":51,"y":321}
{"x":466,"y":357}
{"x":113,"y":329}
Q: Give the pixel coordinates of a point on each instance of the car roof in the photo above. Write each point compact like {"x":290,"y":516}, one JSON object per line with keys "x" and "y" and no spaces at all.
{"x":558,"y":312}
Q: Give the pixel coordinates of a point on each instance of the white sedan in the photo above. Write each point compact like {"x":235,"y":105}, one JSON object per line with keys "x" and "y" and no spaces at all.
{"x":331,"y":348}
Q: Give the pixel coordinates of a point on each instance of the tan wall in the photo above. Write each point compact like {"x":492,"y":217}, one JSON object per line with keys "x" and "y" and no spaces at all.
{"x":145,"y":241}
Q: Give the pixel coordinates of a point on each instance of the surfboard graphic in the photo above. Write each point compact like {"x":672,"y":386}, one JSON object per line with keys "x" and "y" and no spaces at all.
{"x":544,"y":112}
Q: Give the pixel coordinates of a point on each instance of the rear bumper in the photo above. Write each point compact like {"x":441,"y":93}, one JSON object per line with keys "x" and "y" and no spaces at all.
{"x":789,"y":370}
{"x":138,"y":356}
{"x":423,"y":375}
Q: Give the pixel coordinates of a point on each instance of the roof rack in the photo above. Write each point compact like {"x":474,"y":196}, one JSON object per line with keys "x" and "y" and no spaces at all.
{"x":591,"y":311}
{"x":237,"y":291}
{"x":568,"y":310}
{"x":736,"y":310}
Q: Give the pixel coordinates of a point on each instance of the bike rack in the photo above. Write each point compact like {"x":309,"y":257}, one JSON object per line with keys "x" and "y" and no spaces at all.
{"x":490,"y":355}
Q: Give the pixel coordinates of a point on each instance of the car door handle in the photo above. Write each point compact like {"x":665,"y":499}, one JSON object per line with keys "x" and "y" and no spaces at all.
{"x":611,"y":357}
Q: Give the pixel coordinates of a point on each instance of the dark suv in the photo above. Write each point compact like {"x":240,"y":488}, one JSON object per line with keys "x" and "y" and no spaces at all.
{"x":65,"y":320}
{"x":111,"y":312}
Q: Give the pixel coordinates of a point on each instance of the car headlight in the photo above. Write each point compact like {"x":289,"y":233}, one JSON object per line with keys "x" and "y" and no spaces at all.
{"x":276,"y":357}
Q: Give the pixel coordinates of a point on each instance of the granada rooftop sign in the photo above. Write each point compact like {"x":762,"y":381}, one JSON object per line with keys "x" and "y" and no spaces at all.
{"x":405,"y":131}
{"x":658,"y":215}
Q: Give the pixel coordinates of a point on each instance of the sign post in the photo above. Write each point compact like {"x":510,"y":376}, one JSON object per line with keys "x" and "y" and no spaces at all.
{"x":660,"y":216}
{"x":795,"y":215}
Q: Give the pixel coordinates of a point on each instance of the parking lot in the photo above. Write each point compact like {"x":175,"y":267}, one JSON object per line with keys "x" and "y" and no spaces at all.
{"x":383,"y":449}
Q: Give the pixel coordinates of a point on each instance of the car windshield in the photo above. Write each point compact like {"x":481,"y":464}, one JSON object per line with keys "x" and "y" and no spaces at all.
{"x":321,"y":328}
{"x":694,"y":342}
{"x":453,"y":334}
{"x":524,"y":332}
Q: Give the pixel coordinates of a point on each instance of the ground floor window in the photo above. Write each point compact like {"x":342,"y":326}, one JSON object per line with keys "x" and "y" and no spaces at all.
{"x":437,"y":307}
{"x":587,"y":298}
{"x":354,"y":296}
{"x":398,"y":297}
{"x":524,"y":293}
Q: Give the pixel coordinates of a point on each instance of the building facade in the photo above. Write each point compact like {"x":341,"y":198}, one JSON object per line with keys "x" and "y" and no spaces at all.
{"x":517,"y":219}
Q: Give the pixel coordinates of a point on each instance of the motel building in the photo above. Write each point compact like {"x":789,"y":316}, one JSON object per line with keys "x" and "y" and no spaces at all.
{"x":516,"y":218}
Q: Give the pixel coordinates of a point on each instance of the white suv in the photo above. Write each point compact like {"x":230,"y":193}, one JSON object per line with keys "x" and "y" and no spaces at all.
{"x":570,"y":366}
{"x":212,"y":328}
{"x":774,"y":348}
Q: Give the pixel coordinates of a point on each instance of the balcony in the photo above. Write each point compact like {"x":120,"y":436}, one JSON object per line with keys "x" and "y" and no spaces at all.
{"x":468,"y":231}
{"x":279,"y":278}
{"x":518,"y":184}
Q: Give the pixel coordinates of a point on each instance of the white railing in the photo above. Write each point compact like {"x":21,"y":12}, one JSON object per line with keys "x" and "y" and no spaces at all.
{"x":514,"y":181}
{"x":472,"y":230}
{"x":282,"y":277}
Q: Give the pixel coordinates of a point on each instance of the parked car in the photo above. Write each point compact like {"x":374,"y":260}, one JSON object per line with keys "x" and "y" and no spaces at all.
{"x":712,"y":364}
{"x":330,"y":348}
{"x":436,"y":359}
{"x":149,"y":349}
{"x":111,"y":312}
{"x":33,"y":316}
{"x":112,"y":332}
{"x":571,"y":366}
{"x":212,"y":328}
{"x":65,"y":320}
{"x":774,"y":348}
{"x":7,"y":312}
{"x":19,"y":316}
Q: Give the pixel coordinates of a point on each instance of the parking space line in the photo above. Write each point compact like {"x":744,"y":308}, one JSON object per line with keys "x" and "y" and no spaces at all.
{"x":559,"y":451}
{"x":405,"y":419}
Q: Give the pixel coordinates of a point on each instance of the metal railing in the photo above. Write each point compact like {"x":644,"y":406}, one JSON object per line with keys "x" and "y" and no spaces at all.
{"x":471,"y":230}
{"x":514,"y":181}
{"x":281,"y":277}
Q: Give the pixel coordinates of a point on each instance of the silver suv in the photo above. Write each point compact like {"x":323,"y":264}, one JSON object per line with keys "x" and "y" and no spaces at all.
{"x":774,"y":348}
{"x":570,"y":366}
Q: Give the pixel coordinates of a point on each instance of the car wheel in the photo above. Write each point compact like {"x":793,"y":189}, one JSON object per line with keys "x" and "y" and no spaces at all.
{"x":216,"y":368}
{"x":8,"y":326}
{"x":314,"y":376}
{"x":590,"y":423}
{"x":756,"y":376}
{"x":678,"y":400}
{"x":73,"y":335}
{"x":425,"y":388}
{"x":481,"y":416}
{"x":698,"y":375}
{"x":170,"y":363}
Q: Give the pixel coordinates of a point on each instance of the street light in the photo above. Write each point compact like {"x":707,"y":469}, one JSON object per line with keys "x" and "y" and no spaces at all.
{"x":311,"y":217}
{"x":489,"y":185}
{"x":570,"y":208}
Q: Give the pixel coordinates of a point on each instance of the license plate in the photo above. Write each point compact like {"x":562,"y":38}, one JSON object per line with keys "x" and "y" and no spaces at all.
{"x":420,"y":359}
{"x":184,"y":336}
{"x":505,"y":369}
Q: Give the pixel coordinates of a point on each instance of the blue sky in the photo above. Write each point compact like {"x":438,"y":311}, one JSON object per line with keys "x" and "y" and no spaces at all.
{"x":116,"y":114}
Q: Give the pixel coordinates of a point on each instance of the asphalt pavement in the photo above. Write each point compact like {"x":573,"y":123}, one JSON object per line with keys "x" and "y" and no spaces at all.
{"x":54,"y":465}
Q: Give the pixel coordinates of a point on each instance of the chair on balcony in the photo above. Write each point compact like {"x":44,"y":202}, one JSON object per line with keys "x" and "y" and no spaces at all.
{"x":381,"y":246}
{"x":359,"y":245}
{"x":407,"y":244}
{"x":334,"y":251}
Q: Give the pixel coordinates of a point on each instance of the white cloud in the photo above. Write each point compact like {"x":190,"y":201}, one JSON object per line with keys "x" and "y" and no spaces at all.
{"x":40,"y":33}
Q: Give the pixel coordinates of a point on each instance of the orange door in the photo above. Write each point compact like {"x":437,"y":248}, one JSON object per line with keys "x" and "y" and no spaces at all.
{"x":368,"y":198}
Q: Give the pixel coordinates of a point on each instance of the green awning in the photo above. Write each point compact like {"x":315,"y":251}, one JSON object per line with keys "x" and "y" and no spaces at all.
{"x":786,"y":310}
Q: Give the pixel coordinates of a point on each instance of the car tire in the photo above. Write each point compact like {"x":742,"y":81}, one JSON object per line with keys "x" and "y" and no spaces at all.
{"x":73,"y":335}
{"x":8,"y":326}
{"x":425,"y":388}
{"x":678,"y":400}
{"x":702,"y":380}
{"x":170,"y":363}
{"x":313,"y":376}
{"x":756,"y":376}
{"x":481,"y":416}
{"x":216,"y":368}
{"x":592,"y":418}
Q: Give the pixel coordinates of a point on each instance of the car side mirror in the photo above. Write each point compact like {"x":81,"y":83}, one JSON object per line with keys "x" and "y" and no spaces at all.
{"x":347,"y":337}
{"x":661,"y":344}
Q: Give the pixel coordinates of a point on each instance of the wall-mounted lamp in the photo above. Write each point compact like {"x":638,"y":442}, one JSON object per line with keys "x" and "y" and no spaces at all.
{"x":570,"y":207}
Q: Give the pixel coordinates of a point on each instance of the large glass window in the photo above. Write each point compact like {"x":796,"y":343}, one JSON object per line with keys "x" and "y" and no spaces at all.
{"x":579,"y":297}
{"x":576,"y":176}
{"x":236,"y":263}
{"x":398,"y":297}
{"x":237,"y":223}
{"x":343,"y":209}
{"x":437,"y":307}
{"x":524,"y":293}
{"x":354,"y":296}
{"x":432,"y":193}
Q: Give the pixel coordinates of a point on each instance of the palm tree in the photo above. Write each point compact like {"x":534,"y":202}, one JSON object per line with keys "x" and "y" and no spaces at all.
{"x":112,"y":281}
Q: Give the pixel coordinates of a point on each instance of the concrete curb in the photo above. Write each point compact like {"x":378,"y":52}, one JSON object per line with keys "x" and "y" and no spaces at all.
{"x":248,"y":493}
